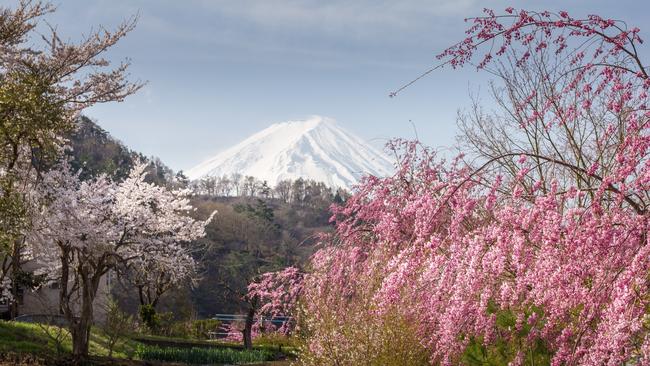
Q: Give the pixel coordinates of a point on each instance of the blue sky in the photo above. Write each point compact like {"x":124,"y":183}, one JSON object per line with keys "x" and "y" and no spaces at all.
{"x":218,"y":71}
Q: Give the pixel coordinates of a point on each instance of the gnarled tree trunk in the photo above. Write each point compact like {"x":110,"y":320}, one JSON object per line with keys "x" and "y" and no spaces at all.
{"x":80,"y":326}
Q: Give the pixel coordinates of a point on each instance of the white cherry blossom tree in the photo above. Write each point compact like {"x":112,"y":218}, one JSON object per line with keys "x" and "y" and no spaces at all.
{"x":88,"y":228}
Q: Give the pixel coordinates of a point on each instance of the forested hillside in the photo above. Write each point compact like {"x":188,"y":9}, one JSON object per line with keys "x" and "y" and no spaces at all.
{"x":247,"y":237}
{"x":94,"y":151}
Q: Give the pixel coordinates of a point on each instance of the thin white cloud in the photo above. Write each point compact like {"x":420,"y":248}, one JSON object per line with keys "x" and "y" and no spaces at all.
{"x":357,"y":19}
{"x":322,"y":34}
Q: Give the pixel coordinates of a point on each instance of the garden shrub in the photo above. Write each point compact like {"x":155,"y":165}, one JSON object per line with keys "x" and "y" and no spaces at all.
{"x":148,"y":315}
{"x":118,"y":325}
{"x":360,"y":337}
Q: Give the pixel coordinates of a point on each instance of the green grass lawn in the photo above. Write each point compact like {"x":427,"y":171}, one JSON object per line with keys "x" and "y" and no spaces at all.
{"x":18,"y":337}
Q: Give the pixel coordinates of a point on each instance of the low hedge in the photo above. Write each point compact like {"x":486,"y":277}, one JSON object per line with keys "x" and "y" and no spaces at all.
{"x":198,"y":355}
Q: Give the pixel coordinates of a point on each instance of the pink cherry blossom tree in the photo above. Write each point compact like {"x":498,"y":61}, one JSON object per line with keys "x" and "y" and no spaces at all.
{"x":277,"y":294}
{"x":533,"y":250}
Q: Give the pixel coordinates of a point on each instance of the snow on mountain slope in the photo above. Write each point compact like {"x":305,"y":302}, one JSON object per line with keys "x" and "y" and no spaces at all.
{"x":316,"y":148}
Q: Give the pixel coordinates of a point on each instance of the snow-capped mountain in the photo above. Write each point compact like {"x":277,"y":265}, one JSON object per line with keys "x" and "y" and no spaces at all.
{"x":316,"y":148}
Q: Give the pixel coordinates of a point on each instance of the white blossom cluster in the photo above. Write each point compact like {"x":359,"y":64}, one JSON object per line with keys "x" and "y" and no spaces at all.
{"x":101,"y":224}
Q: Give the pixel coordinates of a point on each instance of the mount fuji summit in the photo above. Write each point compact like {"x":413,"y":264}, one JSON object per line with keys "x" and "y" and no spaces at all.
{"x":317,"y":148}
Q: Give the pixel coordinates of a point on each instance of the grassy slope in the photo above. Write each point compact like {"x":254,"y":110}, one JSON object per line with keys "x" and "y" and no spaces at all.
{"x":35,"y":339}
{"x":39,"y":339}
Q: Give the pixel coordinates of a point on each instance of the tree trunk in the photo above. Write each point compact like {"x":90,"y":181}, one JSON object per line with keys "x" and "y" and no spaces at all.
{"x":80,"y":337}
{"x":248,"y":326}
{"x":64,"y":303}
{"x":15,"y":269}
{"x":80,"y":327}
{"x":141,"y":295}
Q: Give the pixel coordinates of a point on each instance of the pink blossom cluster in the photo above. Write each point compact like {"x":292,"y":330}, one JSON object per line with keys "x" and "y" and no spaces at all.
{"x":278,"y":292}
{"x":449,"y":259}
{"x":234,"y":330}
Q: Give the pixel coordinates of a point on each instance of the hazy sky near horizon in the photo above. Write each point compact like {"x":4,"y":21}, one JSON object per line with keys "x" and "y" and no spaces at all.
{"x":218,"y":71}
